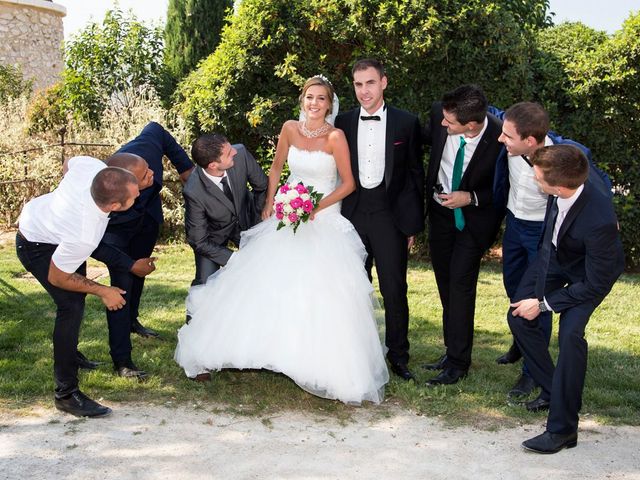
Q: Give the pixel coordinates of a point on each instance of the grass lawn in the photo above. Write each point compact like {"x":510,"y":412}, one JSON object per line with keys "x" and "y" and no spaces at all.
{"x":612,"y":393}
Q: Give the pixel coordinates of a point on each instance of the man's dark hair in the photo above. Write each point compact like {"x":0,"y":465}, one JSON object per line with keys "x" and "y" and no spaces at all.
{"x":110,"y":186}
{"x":207,"y":148}
{"x":365,"y":63}
{"x":530,"y":120}
{"x":467,"y":102}
{"x":562,"y":165}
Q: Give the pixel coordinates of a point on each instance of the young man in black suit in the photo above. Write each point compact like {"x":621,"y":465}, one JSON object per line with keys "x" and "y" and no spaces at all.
{"x":463,"y":221}
{"x":387,"y":208}
{"x":579,"y":260}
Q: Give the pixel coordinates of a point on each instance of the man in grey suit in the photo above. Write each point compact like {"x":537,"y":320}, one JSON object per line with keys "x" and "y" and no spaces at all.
{"x":218,"y":204}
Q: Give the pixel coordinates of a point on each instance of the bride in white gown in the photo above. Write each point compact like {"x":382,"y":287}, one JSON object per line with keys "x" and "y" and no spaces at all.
{"x":300,"y":304}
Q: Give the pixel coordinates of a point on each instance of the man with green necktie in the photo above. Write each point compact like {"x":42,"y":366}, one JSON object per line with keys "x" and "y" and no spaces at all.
{"x":463,"y":221}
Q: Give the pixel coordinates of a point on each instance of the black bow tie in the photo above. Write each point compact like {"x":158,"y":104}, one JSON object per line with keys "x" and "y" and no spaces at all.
{"x":372,"y":117}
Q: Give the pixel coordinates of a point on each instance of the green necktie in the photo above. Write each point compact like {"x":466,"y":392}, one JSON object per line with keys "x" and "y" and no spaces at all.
{"x":455,"y":182}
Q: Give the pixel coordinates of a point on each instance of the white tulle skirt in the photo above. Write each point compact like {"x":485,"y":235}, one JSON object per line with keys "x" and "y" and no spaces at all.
{"x":297,"y":304}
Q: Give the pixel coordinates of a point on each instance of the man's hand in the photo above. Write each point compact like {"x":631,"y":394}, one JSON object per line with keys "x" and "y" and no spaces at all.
{"x":112,"y":297}
{"x":527,"y":308}
{"x":144,"y":266}
{"x":411,"y":241}
{"x":457,"y":199}
{"x":267,"y":211}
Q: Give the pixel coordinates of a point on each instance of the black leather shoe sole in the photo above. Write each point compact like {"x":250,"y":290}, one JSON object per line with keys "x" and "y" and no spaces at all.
{"x":402,"y":371}
{"x":80,"y":405}
{"x":537,"y":405}
{"x":549,"y":443}
{"x":448,"y":376}
{"x":143,"y":331}
{"x":126,"y":372}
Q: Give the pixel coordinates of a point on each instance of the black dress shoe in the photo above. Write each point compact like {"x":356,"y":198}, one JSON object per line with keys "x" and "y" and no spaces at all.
{"x":401,"y":370}
{"x":438,"y":365}
{"x":551,"y":442}
{"x":448,"y":376}
{"x":80,"y":405}
{"x":537,"y":405}
{"x":523,"y":387}
{"x":511,"y":356}
{"x":138,"y":328}
{"x":129,"y":370}
{"x":84,"y":362}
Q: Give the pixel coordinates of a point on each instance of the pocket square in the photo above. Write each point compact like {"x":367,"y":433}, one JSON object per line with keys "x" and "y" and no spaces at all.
{"x":395,"y":144}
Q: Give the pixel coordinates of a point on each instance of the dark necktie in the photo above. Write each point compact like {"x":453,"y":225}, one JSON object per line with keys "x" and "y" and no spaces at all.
{"x":545,"y":248}
{"x":455,"y":182}
{"x":372,"y":117}
{"x":226,"y":189}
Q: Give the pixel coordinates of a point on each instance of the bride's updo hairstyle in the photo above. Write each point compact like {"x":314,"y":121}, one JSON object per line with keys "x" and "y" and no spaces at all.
{"x":323,"y":82}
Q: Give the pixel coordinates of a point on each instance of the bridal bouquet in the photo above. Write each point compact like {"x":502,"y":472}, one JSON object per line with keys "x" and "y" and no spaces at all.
{"x":294,"y":204}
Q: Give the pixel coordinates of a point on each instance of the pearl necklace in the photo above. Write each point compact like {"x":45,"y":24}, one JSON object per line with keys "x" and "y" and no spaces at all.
{"x":314,"y":133}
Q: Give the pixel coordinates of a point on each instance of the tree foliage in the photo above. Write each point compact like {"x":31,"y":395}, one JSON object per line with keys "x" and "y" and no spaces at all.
{"x":12,"y":83}
{"x":250,"y":84}
{"x":192,"y":32}
{"x":106,"y":63}
{"x":591,"y":84}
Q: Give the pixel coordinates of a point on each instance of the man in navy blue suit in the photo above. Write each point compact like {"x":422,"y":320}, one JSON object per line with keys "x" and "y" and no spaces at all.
{"x":525,"y":130}
{"x":579,"y":260}
{"x":132,"y":235}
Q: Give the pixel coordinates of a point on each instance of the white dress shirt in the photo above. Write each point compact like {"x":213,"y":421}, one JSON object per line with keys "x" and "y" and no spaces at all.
{"x":68,"y":217}
{"x":371,"y":148}
{"x":564,"y":204}
{"x":217,"y":180}
{"x":451,"y":146}
{"x":526,"y":200}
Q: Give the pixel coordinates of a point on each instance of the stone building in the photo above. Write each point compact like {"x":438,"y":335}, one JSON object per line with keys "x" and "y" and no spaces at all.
{"x":31,"y":37}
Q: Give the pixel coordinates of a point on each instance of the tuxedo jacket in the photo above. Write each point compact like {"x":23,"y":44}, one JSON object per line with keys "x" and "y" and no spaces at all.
{"x":589,"y":251}
{"x":211,"y":219}
{"x":404,"y":170}
{"x":482,"y":220}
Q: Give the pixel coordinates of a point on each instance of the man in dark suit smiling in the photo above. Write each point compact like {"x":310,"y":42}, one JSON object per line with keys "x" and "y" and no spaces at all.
{"x":387,"y":208}
{"x":579,"y":260}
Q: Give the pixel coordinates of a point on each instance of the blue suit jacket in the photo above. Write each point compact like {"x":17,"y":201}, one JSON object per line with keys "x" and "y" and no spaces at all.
{"x":153,"y":143}
{"x":589,"y":249}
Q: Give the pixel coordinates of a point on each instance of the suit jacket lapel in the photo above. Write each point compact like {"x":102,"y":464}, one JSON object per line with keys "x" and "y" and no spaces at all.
{"x":573,"y":212}
{"x":352,"y":140}
{"x":388,"y":149}
{"x":215,"y":191}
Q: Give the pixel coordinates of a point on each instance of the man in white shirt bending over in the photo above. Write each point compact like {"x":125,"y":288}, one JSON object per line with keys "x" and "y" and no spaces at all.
{"x":57,"y":233}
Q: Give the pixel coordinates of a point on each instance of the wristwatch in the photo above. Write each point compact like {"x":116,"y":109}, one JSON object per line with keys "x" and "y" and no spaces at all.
{"x":472,"y":200}
{"x":543,"y":307}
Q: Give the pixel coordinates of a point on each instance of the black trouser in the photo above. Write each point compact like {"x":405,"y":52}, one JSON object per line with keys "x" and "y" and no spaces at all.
{"x":455,"y":256}
{"x":562,"y":385}
{"x":36,"y":258}
{"x":137,"y":242}
{"x":387,"y":248}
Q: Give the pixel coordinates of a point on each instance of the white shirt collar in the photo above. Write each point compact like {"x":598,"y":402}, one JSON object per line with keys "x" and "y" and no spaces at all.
{"x":564,"y":204}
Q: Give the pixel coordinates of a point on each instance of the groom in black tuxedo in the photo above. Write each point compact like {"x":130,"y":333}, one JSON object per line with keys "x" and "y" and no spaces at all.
{"x":387,"y":208}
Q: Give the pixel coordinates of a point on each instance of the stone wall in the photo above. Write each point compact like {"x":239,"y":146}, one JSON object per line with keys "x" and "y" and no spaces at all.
{"x":31,"y":35}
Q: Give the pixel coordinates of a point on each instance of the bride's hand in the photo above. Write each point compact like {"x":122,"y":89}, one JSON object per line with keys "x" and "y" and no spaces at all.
{"x":267,"y":211}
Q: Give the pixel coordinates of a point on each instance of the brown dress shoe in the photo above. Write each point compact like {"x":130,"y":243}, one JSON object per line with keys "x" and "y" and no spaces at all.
{"x":201,"y":377}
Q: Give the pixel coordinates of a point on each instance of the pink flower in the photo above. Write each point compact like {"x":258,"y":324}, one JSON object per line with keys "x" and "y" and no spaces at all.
{"x":307,"y":206}
{"x":279,"y":207}
{"x":285,"y":188}
{"x":296,"y":202}
{"x":279,"y":215}
{"x":300,"y":188}
{"x":293,"y":218}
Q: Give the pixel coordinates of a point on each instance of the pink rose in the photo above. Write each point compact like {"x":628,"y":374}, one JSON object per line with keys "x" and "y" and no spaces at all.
{"x":307,"y":206}
{"x":284,"y":188}
{"x":293,"y":218}
{"x":301,"y":189}
{"x":279,"y":215}
{"x":279,"y":207}
{"x":296,"y":203}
